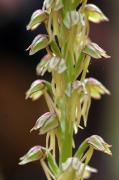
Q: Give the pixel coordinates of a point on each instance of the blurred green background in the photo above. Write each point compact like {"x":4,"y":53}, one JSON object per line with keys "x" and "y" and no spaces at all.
{"x":17,"y":71}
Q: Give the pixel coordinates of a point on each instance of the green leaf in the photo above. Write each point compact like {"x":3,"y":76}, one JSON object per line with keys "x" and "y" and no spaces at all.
{"x":40,"y":42}
{"x":99,"y":144}
{"x":37,"y":89}
{"x":95,"y":88}
{"x":94,"y":13}
{"x":71,"y":19}
{"x":95,"y":51}
{"x":37,"y":17}
{"x":34,"y":154}
{"x":46,"y":123}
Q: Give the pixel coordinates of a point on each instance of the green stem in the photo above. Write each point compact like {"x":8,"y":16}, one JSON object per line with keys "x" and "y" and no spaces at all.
{"x":66,"y":127}
{"x":82,"y":148}
{"x":66,"y":132}
{"x":53,"y":165}
{"x":88,"y":158}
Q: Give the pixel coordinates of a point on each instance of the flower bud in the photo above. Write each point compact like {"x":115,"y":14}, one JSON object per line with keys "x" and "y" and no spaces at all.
{"x":95,"y":51}
{"x":40,"y":42}
{"x":94,"y":13}
{"x":37,"y":89}
{"x":99,"y":144}
{"x":46,"y":123}
{"x":37,"y":17}
{"x":43,"y":65}
{"x":34,"y":154}
{"x":95,"y":88}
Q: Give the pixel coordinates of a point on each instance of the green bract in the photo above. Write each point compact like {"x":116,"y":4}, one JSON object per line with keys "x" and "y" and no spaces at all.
{"x":69,"y":93}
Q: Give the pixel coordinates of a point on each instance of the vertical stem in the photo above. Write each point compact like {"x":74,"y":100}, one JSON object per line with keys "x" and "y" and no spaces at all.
{"x":66,"y":132}
{"x":66,"y":124}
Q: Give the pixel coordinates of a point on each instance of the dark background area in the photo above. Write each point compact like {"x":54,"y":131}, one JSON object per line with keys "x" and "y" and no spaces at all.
{"x":17,"y":71}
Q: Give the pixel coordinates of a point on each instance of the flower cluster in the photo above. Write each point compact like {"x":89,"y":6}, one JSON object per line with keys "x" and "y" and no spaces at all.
{"x":69,"y":94}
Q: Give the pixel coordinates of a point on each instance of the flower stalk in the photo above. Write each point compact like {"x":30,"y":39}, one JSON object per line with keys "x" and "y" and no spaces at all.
{"x":69,"y":94}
